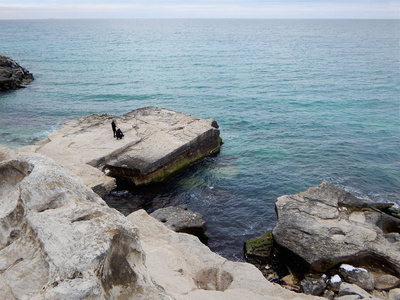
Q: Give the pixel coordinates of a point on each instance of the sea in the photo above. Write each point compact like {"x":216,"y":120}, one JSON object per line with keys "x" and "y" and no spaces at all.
{"x":298,"y":102}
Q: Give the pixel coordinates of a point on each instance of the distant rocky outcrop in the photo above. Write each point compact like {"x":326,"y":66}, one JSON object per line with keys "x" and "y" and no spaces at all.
{"x":59,"y":240}
{"x":12,"y":75}
{"x":157,"y":144}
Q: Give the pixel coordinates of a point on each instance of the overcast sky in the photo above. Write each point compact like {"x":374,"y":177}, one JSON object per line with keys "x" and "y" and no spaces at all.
{"x":43,"y":9}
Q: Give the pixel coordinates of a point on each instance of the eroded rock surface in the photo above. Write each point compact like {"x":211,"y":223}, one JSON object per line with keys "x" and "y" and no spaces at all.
{"x":189,"y":270}
{"x":12,"y":75}
{"x":59,"y":240}
{"x":326,"y":226}
{"x":157,"y":143}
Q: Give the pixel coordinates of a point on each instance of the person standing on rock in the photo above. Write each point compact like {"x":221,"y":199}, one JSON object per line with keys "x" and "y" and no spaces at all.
{"x":114,"y":127}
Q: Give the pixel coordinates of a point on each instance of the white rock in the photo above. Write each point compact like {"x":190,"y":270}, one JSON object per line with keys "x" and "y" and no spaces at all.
{"x":188,"y":270}
{"x":59,"y":240}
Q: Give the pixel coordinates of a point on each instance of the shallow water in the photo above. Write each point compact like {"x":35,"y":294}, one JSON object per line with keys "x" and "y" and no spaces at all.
{"x":298,"y":103}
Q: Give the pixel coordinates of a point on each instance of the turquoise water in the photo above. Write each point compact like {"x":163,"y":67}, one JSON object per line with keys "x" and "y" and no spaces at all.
{"x":298,"y":102}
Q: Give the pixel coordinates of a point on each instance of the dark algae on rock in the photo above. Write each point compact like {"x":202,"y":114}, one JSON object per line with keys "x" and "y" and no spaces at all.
{"x":12,"y":75}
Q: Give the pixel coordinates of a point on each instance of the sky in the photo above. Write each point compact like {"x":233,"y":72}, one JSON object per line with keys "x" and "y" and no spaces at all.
{"x":265,"y":9}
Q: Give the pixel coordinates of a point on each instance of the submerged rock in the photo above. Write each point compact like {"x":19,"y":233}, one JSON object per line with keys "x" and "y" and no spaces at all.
{"x":157,"y":144}
{"x":180,"y":219}
{"x":12,"y":75}
{"x":326,"y":226}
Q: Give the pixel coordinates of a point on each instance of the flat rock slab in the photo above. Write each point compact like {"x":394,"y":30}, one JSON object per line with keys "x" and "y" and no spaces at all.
{"x":12,"y":75}
{"x":157,"y":143}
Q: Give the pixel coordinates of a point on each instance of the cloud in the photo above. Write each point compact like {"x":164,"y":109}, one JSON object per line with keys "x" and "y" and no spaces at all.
{"x":200,"y":9}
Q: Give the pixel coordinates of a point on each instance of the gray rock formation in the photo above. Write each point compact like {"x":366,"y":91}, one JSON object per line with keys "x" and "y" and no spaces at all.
{"x":394,"y":294}
{"x":313,"y":285}
{"x":59,"y":240}
{"x":157,"y":144}
{"x":180,"y":219}
{"x":358,"y":276}
{"x":387,"y":282}
{"x":326,"y":226}
{"x":352,"y":289}
{"x":12,"y":75}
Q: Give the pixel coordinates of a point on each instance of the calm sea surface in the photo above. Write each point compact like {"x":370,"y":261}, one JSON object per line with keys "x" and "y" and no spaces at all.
{"x":298,"y":103}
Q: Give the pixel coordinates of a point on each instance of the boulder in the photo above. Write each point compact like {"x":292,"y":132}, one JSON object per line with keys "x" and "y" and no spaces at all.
{"x":358,"y":276}
{"x":12,"y":75}
{"x":326,"y":226}
{"x":180,"y":219}
{"x":189,"y":270}
{"x":313,"y":285}
{"x":328,"y":294}
{"x":157,"y":144}
{"x":352,"y":289}
{"x":59,"y":240}
{"x":387,"y":282}
{"x":258,"y":250}
{"x":394,"y":294}
{"x":334,"y":282}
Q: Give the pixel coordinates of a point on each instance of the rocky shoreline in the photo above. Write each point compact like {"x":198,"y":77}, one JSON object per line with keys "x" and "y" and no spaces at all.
{"x":60,"y":240}
{"x":12,"y":75}
{"x":329,"y":243}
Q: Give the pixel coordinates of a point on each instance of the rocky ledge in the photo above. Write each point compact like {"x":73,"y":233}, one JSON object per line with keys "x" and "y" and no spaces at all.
{"x":157,"y":143}
{"x":12,"y":75}
{"x":331,"y":243}
{"x":59,"y":240}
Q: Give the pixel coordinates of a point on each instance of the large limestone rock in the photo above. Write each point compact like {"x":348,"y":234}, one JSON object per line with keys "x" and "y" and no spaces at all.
{"x":326,"y":226}
{"x":189,"y":270}
{"x":12,"y":75}
{"x":59,"y":240}
{"x":157,"y":143}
